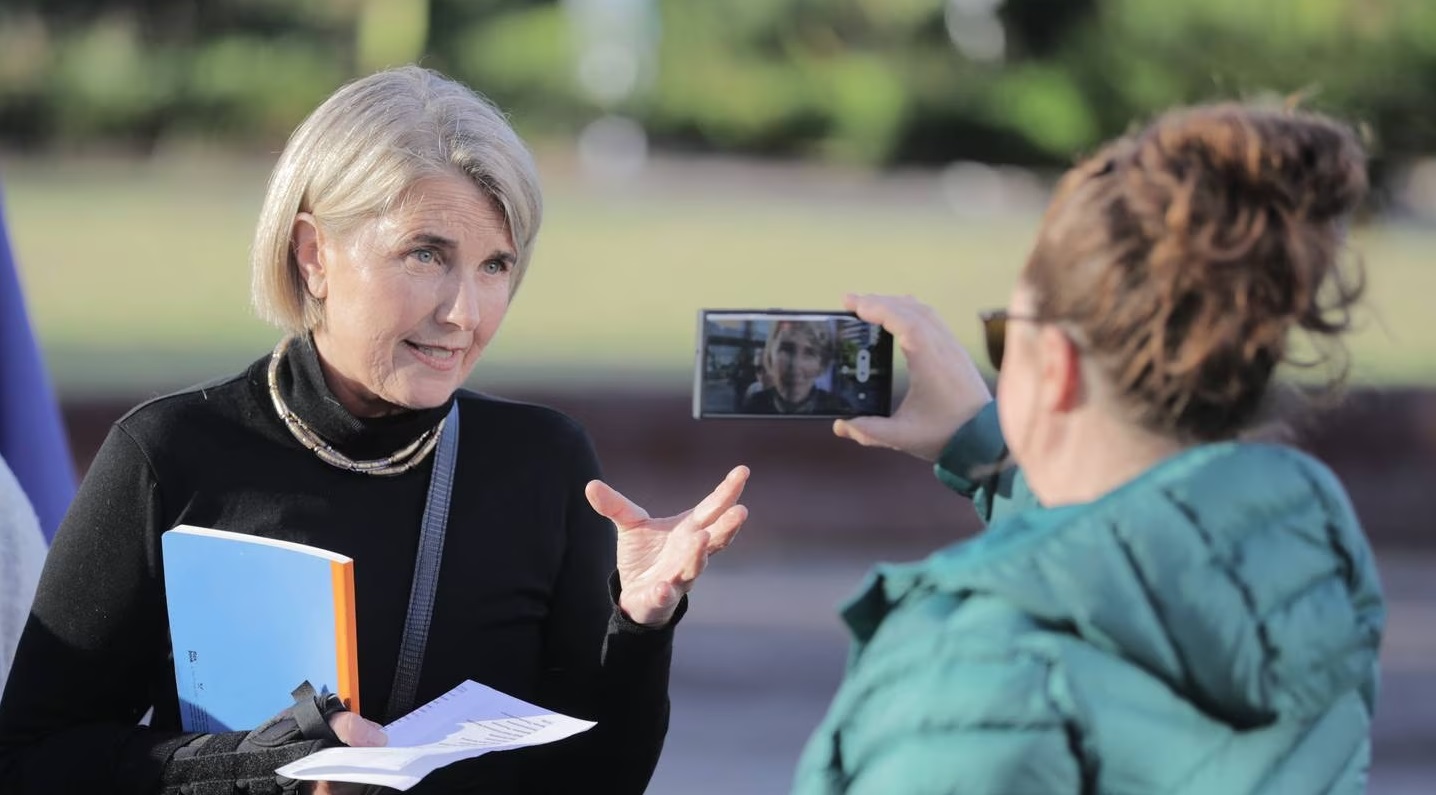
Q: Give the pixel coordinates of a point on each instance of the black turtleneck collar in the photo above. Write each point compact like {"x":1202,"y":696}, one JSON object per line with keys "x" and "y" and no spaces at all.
{"x":302,"y":385}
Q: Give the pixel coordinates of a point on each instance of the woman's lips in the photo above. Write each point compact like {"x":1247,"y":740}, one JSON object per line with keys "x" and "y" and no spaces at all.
{"x":438,"y":357}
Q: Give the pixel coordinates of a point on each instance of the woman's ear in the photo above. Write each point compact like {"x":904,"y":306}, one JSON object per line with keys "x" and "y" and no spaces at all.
{"x":1062,"y":385}
{"x":308,"y":254}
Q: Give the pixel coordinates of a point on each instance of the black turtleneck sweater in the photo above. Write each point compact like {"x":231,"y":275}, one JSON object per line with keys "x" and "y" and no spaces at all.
{"x":523,"y":601}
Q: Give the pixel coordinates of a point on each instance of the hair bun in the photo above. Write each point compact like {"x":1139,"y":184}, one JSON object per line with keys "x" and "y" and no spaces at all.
{"x":1189,"y":251}
{"x":1310,"y":165}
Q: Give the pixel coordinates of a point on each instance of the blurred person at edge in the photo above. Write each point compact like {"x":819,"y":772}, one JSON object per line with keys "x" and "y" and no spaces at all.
{"x":22,"y":553}
{"x":1155,"y":605}
{"x":397,"y":226}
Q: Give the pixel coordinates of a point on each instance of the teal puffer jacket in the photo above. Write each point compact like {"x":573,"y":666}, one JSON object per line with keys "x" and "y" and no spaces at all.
{"x":1210,"y":627}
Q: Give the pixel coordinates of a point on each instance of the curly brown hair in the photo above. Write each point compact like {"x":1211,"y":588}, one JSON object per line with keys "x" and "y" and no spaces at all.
{"x":1182,"y":256}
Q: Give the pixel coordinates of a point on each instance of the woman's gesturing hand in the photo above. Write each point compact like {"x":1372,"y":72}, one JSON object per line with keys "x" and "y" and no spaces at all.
{"x":659,"y":559}
{"x":945,"y":389}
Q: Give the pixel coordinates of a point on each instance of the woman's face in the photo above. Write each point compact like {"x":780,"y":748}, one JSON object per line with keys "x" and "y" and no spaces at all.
{"x":797,"y":363}
{"x":411,"y":298}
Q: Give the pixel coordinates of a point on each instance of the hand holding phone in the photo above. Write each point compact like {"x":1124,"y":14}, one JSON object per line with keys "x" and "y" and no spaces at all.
{"x":944,"y":391}
{"x":791,"y":364}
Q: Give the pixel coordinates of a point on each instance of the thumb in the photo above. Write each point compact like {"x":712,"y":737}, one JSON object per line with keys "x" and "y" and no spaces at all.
{"x":866,"y":431}
{"x":357,"y":732}
{"x":617,"y":508}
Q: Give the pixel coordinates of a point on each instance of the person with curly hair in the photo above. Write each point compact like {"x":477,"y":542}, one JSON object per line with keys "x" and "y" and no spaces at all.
{"x":1158,"y":603}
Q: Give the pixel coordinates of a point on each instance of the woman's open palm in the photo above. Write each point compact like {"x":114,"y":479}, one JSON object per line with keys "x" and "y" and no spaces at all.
{"x":659,"y":559}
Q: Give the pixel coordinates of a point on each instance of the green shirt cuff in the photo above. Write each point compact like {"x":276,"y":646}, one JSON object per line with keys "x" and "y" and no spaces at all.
{"x":966,"y":463}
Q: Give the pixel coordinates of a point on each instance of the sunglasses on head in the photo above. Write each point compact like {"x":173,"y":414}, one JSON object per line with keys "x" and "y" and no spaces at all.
{"x":994,"y":332}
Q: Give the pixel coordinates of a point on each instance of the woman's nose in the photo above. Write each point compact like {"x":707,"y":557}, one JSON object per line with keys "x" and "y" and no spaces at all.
{"x":463,"y":305}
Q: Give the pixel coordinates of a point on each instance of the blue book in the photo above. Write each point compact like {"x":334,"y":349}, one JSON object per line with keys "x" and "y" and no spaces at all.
{"x":250,"y":619}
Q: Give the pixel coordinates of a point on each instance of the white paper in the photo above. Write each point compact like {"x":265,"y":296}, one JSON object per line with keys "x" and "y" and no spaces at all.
{"x":468,"y":721}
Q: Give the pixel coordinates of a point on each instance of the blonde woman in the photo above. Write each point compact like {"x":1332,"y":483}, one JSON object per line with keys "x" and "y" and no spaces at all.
{"x":398,"y":225}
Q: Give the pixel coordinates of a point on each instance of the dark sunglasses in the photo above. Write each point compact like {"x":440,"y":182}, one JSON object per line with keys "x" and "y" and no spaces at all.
{"x":994,"y":332}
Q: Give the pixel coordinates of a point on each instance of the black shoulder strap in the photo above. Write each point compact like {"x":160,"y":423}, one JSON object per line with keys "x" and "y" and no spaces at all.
{"x":426,"y":571}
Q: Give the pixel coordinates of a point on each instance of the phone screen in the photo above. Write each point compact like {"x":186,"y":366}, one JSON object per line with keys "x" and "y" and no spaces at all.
{"x":791,"y":364}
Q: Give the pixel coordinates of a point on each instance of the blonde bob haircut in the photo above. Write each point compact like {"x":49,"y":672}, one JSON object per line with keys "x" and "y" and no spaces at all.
{"x":355,"y":157}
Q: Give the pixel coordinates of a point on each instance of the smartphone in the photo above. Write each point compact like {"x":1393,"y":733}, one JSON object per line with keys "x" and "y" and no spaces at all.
{"x":786,"y":363}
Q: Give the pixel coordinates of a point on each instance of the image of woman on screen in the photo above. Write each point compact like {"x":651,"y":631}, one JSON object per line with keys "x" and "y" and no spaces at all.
{"x":796,"y":355}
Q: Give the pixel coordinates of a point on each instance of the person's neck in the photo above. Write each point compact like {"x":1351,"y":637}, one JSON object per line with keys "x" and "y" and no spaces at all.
{"x":350,"y":392}
{"x":304,"y":390}
{"x":786,"y":403}
{"x":1096,"y":455}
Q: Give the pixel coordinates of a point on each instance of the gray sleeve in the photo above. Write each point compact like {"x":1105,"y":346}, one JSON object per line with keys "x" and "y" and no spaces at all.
{"x":22,"y":553}
{"x":95,"y":643}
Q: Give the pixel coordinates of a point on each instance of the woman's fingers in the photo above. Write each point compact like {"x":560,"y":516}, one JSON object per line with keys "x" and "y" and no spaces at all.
{"x":354,"y":730}
{"x":901,"y":315}
{"x":725,"y":527}
{"x":721,"y":498}
{"x":625,"y":513}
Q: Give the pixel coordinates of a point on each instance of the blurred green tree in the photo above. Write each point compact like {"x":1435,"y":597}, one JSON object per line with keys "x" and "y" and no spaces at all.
{"x":863,"y":81}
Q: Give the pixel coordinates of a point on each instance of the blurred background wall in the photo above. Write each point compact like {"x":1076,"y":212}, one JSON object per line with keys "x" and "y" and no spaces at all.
{"x":743,"y":153}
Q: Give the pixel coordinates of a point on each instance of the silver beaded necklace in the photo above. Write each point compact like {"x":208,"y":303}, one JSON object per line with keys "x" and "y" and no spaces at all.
{"x":402,"y":461}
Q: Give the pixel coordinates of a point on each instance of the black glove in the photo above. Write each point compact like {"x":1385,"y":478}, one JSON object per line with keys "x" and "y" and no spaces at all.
{"x":235,"y":762}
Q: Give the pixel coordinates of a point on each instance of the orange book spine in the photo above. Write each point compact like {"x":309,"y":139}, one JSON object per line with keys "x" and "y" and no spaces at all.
{"x":346,"y":634}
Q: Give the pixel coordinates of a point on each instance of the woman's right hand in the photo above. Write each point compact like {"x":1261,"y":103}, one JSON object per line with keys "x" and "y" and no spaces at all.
{"x":355,"y":732}
{"x":945,"y":390}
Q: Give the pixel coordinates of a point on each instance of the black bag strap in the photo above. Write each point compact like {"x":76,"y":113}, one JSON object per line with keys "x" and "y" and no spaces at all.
{"x":426,"y":570}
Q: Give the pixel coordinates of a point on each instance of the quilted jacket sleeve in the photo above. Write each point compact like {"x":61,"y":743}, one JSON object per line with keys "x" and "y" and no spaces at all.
{"x":972,"y":465}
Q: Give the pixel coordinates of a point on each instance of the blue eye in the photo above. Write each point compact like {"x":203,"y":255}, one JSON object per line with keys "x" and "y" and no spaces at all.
{"x":426,"y":256}
{"x":495,"y":266}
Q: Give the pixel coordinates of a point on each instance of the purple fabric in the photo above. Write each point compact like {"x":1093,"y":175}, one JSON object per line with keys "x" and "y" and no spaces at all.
{"x":32,"y":436}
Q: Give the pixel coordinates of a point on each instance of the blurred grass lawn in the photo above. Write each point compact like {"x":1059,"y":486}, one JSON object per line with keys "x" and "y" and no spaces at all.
{"x":137,"y":280}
